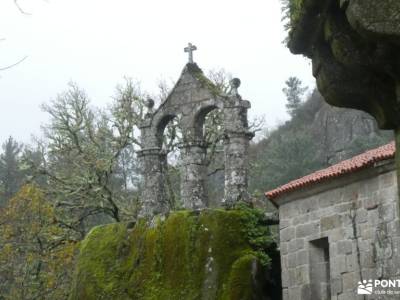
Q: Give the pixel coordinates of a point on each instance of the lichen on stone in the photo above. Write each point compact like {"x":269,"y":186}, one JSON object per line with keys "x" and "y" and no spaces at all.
{"x":214,"y":254}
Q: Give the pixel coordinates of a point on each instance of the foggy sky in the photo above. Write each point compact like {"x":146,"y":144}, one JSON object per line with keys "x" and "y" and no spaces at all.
{"x":95,"y":43}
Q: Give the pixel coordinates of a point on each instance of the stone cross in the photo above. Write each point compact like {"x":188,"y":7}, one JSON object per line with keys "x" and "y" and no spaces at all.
{"x":190,"y":48}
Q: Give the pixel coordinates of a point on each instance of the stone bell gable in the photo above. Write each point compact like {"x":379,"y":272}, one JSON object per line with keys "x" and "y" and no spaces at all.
{"x":191,"y":99}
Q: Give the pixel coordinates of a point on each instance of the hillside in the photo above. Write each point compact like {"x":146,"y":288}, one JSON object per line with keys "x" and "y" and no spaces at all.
{"x":318,"y":135}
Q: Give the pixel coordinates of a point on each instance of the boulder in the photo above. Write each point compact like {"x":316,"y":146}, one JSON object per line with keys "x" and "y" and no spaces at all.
{"x":211,"y":254}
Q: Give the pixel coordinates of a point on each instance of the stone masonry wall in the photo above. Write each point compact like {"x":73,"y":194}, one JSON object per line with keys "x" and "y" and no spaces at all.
{"x":358,"y":215}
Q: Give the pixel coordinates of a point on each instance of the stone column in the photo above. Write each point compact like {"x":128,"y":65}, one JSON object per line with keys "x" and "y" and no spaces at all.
{"x":152,"y":161}
{"x":237,"y":137}
{"x":193,"y":192}
{"x":153,"y":196}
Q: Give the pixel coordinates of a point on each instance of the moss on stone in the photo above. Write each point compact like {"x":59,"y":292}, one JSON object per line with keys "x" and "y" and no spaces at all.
{"x":296,"y":11}
{"x":204,"y":81}
{"x":207,"y":255}
{"x":241,"y":279}
{"x":306,"y":19}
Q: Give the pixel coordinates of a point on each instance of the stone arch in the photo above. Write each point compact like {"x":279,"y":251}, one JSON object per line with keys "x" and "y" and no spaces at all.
{"x":160,"y":124}
{"x":213,"y":158}
{"x":200,"y":115}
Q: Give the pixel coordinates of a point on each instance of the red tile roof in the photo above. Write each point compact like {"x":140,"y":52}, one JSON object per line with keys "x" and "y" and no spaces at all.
{"x":347,"y":166}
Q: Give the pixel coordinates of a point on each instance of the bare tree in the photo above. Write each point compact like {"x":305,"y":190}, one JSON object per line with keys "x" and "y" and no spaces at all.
{"x":13,"y":64}
{"x":3,"y":39}
{"x":22,"y":11}
{"x":90,"y":161}
{"x":85,"y":156}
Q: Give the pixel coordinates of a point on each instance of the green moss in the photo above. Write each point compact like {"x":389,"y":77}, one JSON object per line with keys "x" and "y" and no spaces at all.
{"x":98,"y":264}
{"x":240,"y":284}
{"x":259,"y":237}
{"x":209,"y":255}
{"x":329,"y":29}
{"x":296,"y":11}
{"x":306,"y":18}
{"x":204,"y":81}
{"x":293,"y":11}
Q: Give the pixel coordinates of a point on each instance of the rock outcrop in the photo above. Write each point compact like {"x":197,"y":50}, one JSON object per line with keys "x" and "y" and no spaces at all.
{"x":212,"y":254}
{"x":337,"y":129}
{"x":355,"y":50}
{"x":354,"y":46}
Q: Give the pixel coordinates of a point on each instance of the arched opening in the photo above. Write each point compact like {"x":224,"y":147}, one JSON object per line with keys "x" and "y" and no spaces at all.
{"x":205,"y":114}
{"x":169,"y":136}
{"x":208,"y":128}
{"x":161,"y":126}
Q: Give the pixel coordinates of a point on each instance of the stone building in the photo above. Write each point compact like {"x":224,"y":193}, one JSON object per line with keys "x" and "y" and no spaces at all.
{"x":191,"y":99}
{"x":340,"y":226}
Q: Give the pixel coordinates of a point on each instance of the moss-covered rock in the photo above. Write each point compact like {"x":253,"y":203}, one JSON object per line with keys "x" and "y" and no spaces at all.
{"x":354,"y":46}
{"x":204,"y":81}
{"x":214,"y":254}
